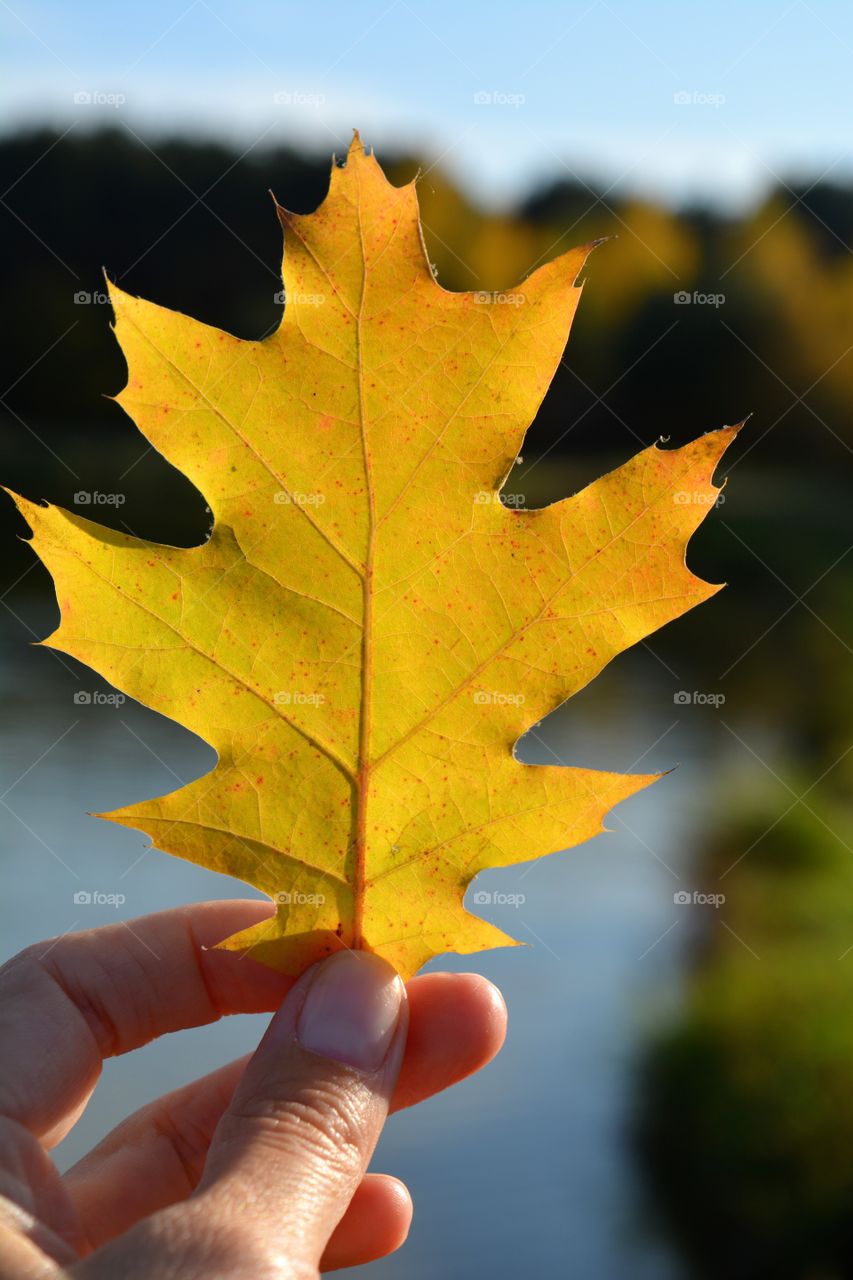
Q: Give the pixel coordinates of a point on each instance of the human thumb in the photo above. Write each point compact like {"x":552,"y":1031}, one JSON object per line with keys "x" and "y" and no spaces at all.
{"x":293,"y":1146}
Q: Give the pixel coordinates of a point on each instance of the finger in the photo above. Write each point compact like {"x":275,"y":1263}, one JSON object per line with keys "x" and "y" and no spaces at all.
{"x":140,"y":1175}
{"x":152,"y":1160}
{"x":65,"y":1007}
{"x":293,"y":1146}
{"x":33,"y":1204}
{"x":375,"y":1223}
{"x":457,"y":1023}
{"x":155,"y":1158}
{"x":310,"y":1106}
{"x":131,"y":1181}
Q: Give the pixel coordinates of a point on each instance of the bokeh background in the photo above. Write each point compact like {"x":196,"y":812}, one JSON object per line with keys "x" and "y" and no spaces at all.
{"x":674,"y":1099}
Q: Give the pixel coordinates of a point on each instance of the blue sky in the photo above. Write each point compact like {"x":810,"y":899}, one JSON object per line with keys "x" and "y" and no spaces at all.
{"x":676,"y":100}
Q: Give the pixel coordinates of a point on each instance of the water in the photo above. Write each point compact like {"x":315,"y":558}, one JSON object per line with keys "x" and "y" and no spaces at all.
{"x":525,"y":1170}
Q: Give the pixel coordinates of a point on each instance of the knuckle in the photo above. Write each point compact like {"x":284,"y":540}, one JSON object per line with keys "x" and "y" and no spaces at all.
{"x":322,"y":1122}
{"x":93,"y":989}
{"x":25,"y":1163}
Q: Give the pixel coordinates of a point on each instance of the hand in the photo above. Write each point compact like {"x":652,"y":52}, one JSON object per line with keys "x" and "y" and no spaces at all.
{"x":254,"y":1172}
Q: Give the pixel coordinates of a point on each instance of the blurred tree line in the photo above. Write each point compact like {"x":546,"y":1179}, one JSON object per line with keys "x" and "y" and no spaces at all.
{"x":188,"y":224}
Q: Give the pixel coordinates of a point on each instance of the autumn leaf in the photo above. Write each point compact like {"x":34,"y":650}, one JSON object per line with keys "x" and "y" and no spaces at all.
{"x":368,"y":630}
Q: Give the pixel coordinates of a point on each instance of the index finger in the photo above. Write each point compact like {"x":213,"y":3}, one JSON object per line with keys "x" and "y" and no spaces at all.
{"x":66,"y":1006}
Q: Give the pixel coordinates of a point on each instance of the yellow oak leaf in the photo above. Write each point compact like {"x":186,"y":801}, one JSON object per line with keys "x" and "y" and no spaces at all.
{"x":368,"y":630}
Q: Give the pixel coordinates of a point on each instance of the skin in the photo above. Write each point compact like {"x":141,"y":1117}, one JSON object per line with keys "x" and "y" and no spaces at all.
{"x":254,"y":1172}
